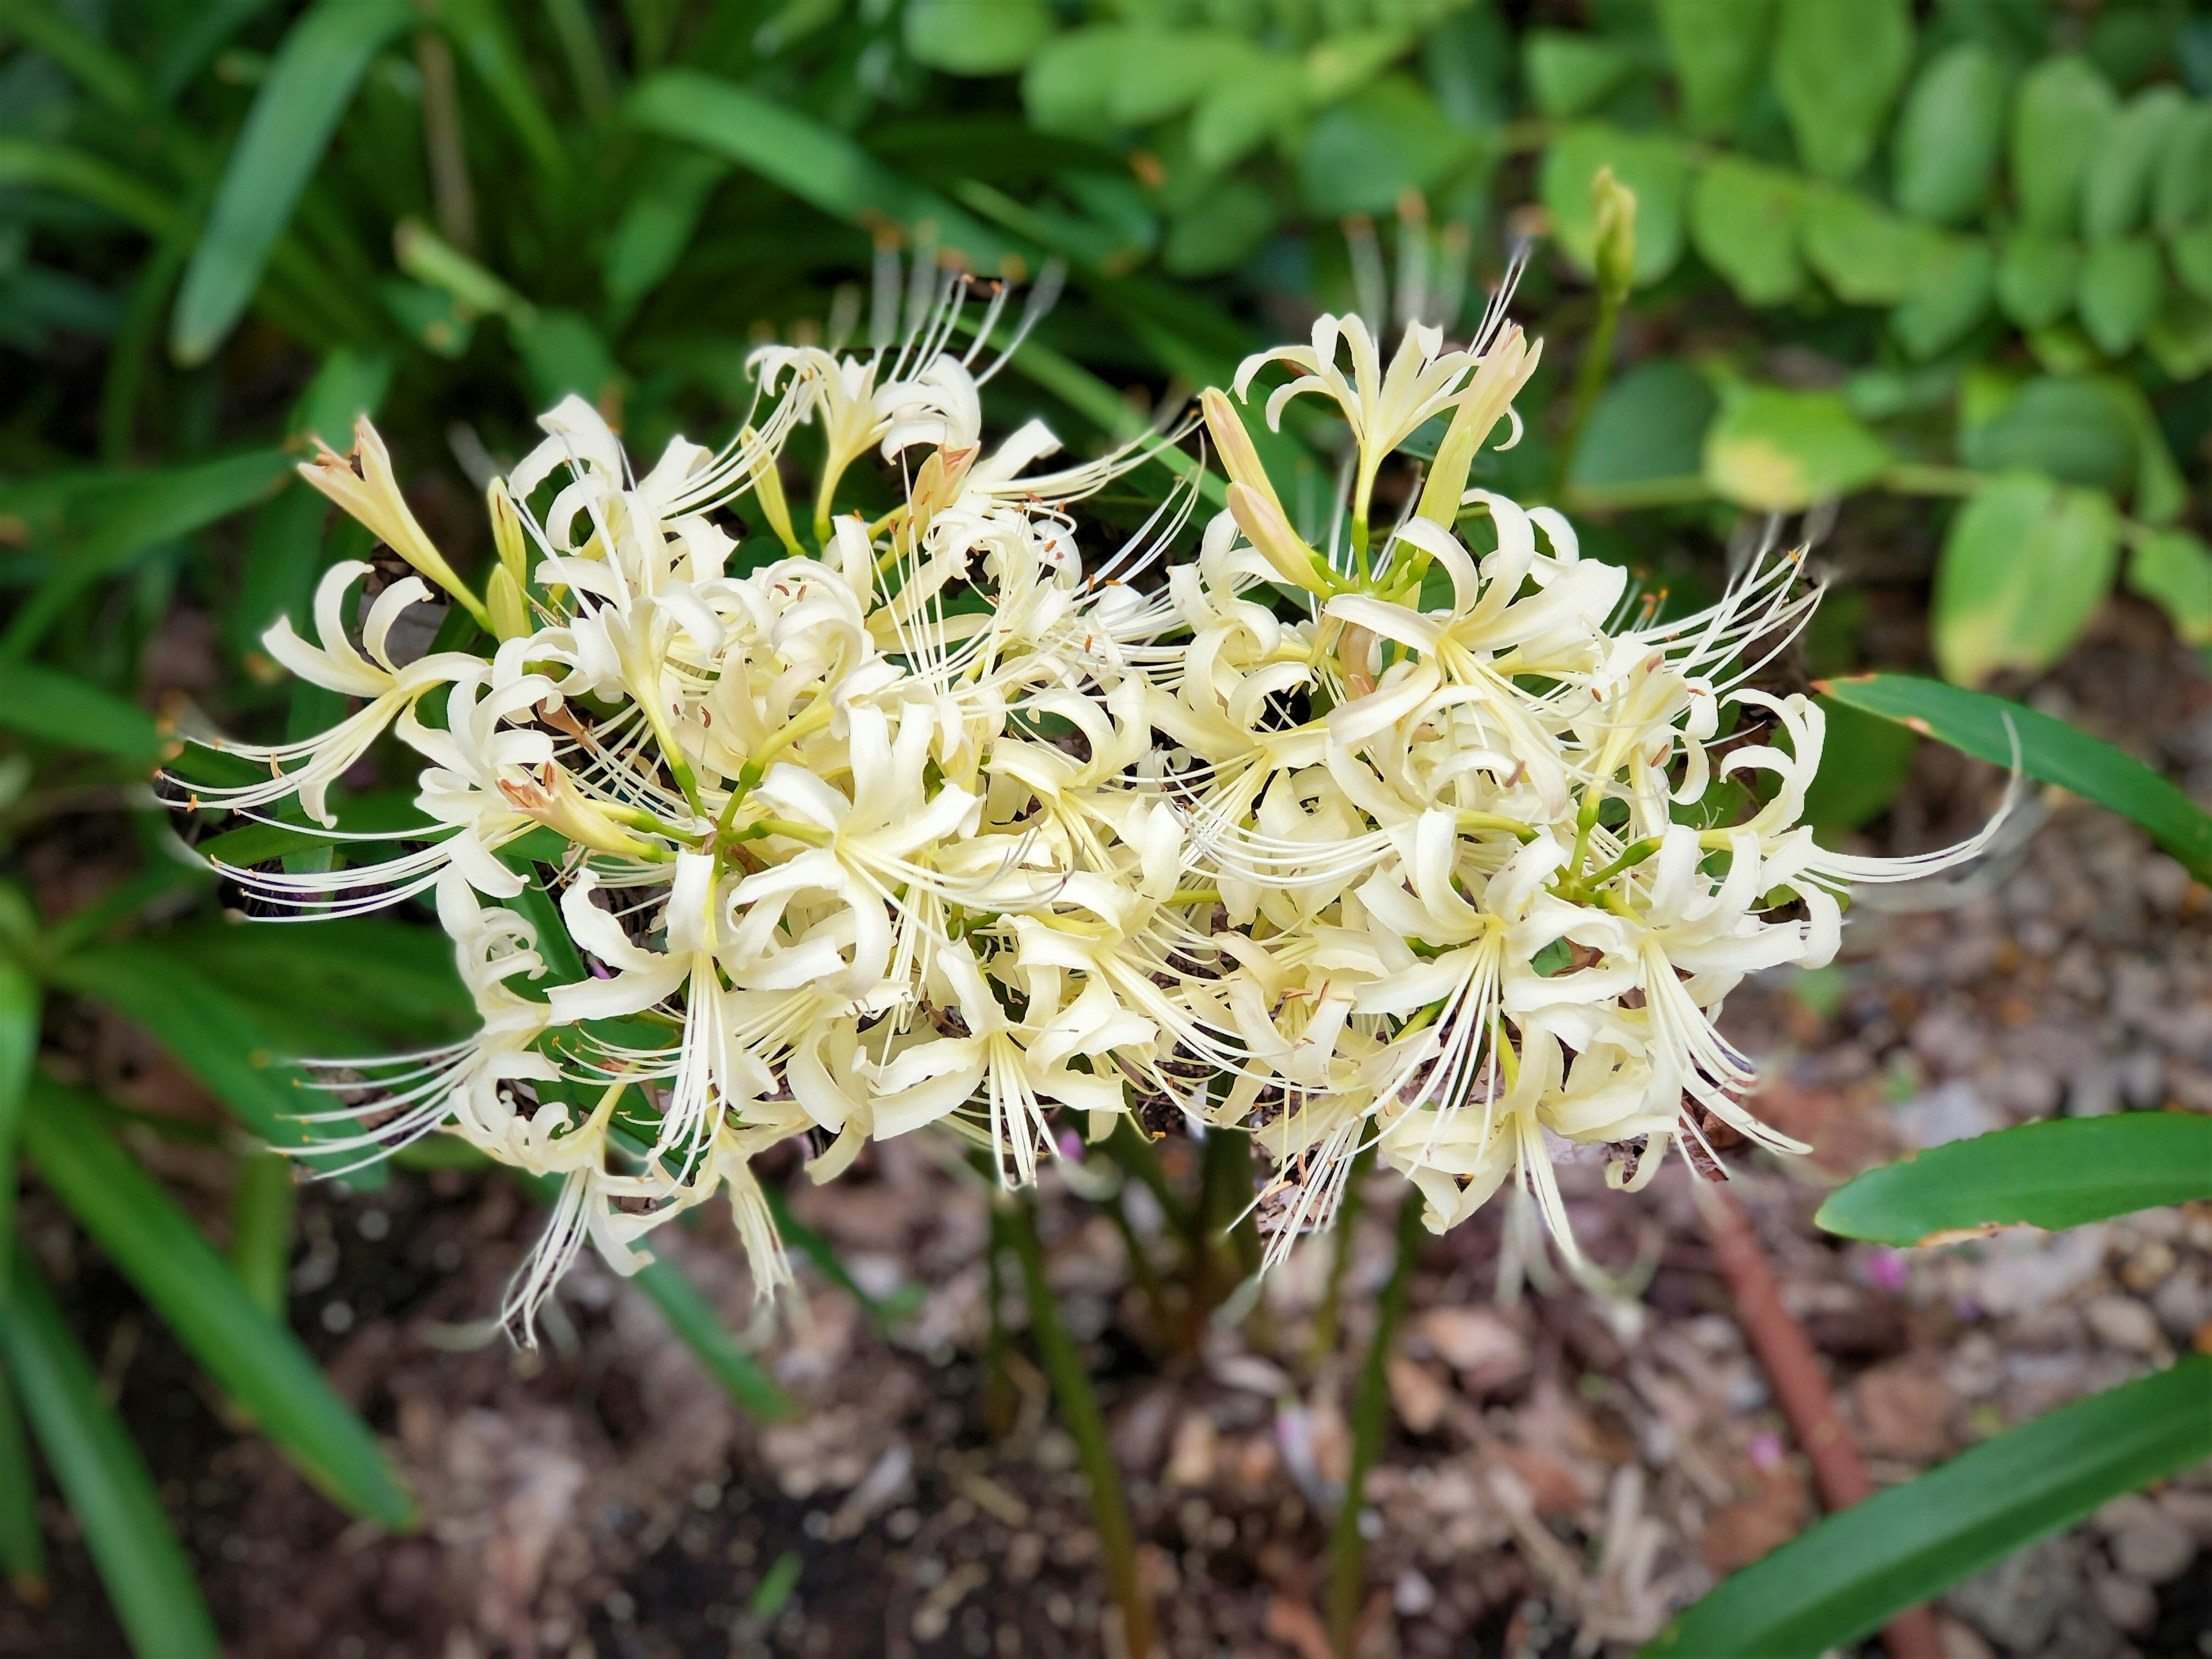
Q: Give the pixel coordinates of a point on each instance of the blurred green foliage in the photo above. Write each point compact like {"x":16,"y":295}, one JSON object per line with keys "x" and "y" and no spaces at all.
{"x":1959,"y":252}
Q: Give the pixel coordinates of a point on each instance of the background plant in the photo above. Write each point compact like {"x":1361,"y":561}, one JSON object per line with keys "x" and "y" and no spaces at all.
{"x":1960,"y":254}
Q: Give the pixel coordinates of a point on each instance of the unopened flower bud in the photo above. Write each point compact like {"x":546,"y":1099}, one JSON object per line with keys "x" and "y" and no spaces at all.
{"x":1615,"y":256}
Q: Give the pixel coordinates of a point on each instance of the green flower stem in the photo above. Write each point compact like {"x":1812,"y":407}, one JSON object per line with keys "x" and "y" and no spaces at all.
{"x":999,"y":1405}
{"x":1590,"y":381}
{"x":261,"y":1206}
{"x":1326,"y":1318}
{"x":1370,"y":1414}
{"x":1085,"y":1423}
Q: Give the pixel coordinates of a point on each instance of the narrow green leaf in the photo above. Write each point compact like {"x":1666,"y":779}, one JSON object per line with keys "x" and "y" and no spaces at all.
{"x":657,"y":225}
{"x":309,"y":84}
{"x":709,"y":1340}
{"x":21,"y":1001}
{"x":1863,"y":764}
{"x":2025,"y":565}
{"x":213,"y":1033}
{"x":486,"y":43}
{"x":261,"y":1363}
{"x":1950,"y":134}
{"x":261,"y":1209}
{"x":1831,"y":1586}
{"x":64,"y":710}
{"x":23,"y":1546}
{"x":101,"y":1475}
{"x":813,"y":161}
{"x":38,"y":165}
{"x":2051,"y":751}
{"x":2059,"y":1173}
{"x":1838,"y":66}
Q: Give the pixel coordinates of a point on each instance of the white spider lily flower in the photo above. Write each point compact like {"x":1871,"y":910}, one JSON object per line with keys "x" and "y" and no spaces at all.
{"x":372,"y":495}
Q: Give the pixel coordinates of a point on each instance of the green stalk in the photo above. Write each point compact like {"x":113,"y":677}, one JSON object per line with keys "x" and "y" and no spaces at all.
{"x":22,"y":1549}
{"x":1347,"y":1219}
{"x":1590,"y":381}
{"x":1085,"y":1423}
{"x":261,"y":1207}
{"x":999,"y":1405}
{"x":1370,"y":1414}
{"x":1129,"y":1147}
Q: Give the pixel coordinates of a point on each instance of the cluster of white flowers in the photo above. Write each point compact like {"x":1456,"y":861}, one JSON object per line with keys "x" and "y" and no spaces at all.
{"x":920,"y":821}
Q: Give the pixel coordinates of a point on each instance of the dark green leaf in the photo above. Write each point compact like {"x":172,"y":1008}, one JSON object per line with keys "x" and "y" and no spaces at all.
{"x":1652,"y":165}
{"x":309,"y":84}
{"x":261,"y":1206}
{"x":1838,"y":65}
{"x":486,"y":44}
{"x":1780,"y":451}
{"x":2121,"y":283}
{"x":1570,"y":74}
{"x":563,"y":353}
{"x":363,"y":981}
{"x":2035,"y":277}
{"x":2073,"y":428}
{"x":2059,"y":118}
{"x":21,"y":1001}
{"x":976,"y":37}
{"x":215,"y":1035}
{"x":2024,"y":566}
{"x":1219,"y":231}
{"x":350,"y":385}
{"x":657,"y":225}
{"x":1863,"y":764}
{"x":2174,"y":568}
{"x":813,"y":161}
{"x":2051,"y":751}
{"x":1390,"y":138}
{"x":1718,"y":48}
{"x":258,"y":1362}
{"x":2180,"y":338}
{"x":61,"y":709}
{"x":709,"y":1340}
{"x":2115,"y":193}
{"x":1950,"y":134}
{"x":107,"y":1488}
{"x":1650,"y":423}
{"x":2053,"y":1174}
{"x":1743,"y":218}
{"x":23,"y":1546}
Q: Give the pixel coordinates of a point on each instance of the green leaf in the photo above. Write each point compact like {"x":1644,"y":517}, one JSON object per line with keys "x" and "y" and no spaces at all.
{"x":1869,"y":255}
{"x":20,"y":1003}
{"x":2116,"y":192}
{"x":61,"y":709}
{"x":2183,"y":190}
{"x":1219,"y":231}
{"x":1743,"y":218}
{"x":1716,"y":47}
{"x":2174,"y":568}
{"x":2035,"y":277}
{"x":1570,"y":74}
{"x":106,"y":1487}
{"x":1652,"y":165}
{"x":309,"y":84}
{"x":2051,"y":751}
{"x":258,"y":1362}
{"x":1838,"y":65}
{"x":2024,"y":566}
{"x":1239,"y":113}
{"x":1863,"y":764}
{"x":350,"y":385}
{"x":2122,"y":284}
{"x":216,"y":1036}
{"x":1390,"y":138}
{"x":1831,"y":1586}
{"x":2191,"y":253}
{"x":1650,"y":423}
{"x":813,"y":161}
{"x":563,"y":353}
{"x":703,"y":1331}
{"x":23,"y":1546}
{"x":2059,"y":118}
{"x":261,"y":1208}
{"x":357,"y":982}
{"x":2072,"y":427}
{"x":480,"y":32}
{"x":1950,"y":135}
{"x":1068,"y":85}
{"x":1779,"y":451}
{"x":658,"y":225}
{"x":1949,"y":295}
{"x":2180,"y":338}
{"x":976,"y":37}
{"x":2060,"y":1173}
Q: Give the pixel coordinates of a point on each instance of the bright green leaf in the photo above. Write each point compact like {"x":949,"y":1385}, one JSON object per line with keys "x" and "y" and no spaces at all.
{"x":1650,"y":423}
{"x":1068,"y":85}
{"x":1950,"y":135}
{"x":2059,"y":118}
{"x":61,"y":709}
{"x":976,"y":37}
{"x":1391,"y":137}
{"x":2051,"y":751}
{"x":2174,"y":568}
{"x":1838,"y":66}
{"x":2122,"y":284}
{"x":1718,"y":48}
{"x":1869,"y":255}
{"x":1828,"y":1588}
{"x":657,"y":225}
{"x":140,"y":1563}
{"x":2182,"y":192}
{"x":2024,"y":566}
{"x":2037,"y":275}
{"x":309,"y":84}
{"x":1950,"y":295}
{"x":258,"y":1362}
{"x":1652,"y":165}
{"x":1240,"y":113}
{"x":2116,"y":192}
{"x":1743,"y":218}
{"x":1779,"y":451}
{"x":2060,"y":1173}
{"x":1570,"y":74}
